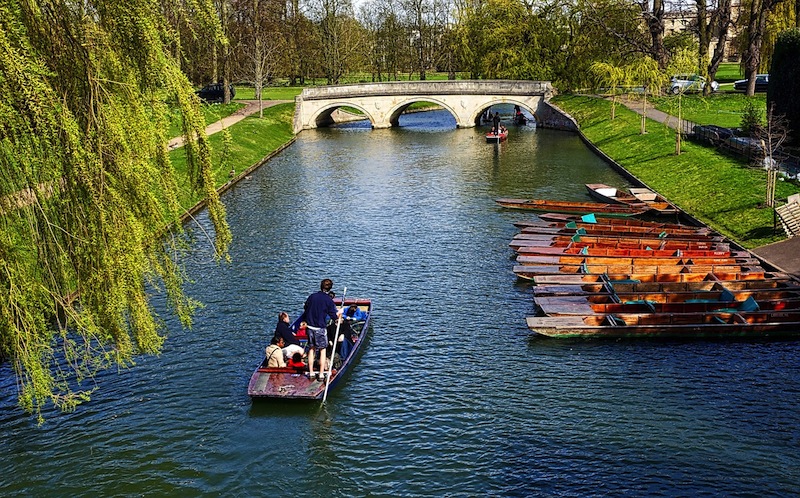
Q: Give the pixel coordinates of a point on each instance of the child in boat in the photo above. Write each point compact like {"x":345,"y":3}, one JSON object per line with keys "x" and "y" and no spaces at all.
{"x":296,"y":361}
{"x":302,"y":333}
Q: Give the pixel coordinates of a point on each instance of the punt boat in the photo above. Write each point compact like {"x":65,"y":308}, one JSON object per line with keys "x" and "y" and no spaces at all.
{"x":725,"y":325}
{"x":657,"y":202}
{"x":612,"y":195}
{"x":571,"y":207}
{"x":290,"y":383}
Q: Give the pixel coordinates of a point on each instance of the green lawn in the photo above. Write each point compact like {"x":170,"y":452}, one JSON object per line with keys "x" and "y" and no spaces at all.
{"x":253,"y":138}
{"x":723,"y":109}
{"x":722,"y":192}
{"x":269,"y":93}
{"x":729,"y":72}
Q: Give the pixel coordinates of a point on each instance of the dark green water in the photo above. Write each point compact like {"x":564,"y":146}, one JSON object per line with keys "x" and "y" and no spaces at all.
{"x":451,"y":396}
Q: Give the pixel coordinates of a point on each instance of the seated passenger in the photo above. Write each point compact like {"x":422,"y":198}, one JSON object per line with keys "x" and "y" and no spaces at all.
{"x":275,"y":353}
{"x":284,"y":330}
{"x":302,"y":332}
{"x":354,"y":313}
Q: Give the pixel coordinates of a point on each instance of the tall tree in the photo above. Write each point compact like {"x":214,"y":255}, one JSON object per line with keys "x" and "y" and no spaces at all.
{"x":86,"y":186}
{"x":756,"y":17}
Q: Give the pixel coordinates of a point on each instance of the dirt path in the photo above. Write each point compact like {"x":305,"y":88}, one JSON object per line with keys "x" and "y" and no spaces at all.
{"x":250,"y":107}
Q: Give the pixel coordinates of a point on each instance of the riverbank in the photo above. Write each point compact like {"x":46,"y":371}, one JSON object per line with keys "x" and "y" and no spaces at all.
{"x":718,"y":190}
{"x":253,"y":141}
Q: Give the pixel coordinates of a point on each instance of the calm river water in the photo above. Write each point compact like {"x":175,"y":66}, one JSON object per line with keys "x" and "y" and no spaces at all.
{"x":451,"y":396}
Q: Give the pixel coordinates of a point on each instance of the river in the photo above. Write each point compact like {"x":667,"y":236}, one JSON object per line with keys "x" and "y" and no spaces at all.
{"x":452,"y":396}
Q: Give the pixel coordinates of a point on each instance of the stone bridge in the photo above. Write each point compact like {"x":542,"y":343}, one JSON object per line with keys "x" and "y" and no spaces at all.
{"x":383,"y":103}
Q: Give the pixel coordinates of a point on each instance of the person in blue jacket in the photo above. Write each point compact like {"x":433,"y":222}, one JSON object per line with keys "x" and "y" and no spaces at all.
{"x":318,"y":308}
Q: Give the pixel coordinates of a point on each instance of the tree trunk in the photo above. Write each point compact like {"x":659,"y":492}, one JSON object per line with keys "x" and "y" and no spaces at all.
{"x":655,"y":24}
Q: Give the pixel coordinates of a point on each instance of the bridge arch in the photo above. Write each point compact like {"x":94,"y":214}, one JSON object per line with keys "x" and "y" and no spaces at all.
{"x":324,"y":116}
{"x":523,"y":105}
{"x":397,"y":110}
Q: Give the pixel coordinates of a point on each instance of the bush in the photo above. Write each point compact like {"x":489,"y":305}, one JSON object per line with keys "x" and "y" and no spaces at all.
{"x":784,"y":81}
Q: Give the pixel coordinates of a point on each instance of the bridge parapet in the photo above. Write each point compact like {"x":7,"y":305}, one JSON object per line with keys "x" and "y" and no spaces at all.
{"x":449,"y":87}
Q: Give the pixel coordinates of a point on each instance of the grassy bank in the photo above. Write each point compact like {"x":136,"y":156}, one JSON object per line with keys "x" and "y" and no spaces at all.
{"x":721,"y":191}
{"x":253,"y":138}
{"x":722,"y":109}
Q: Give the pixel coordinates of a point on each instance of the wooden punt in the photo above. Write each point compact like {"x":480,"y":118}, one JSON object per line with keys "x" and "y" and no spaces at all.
{"x":760,"y":325}
{"x":607,"y":235}
{"x":584,"y":304}
{"x":289,"y":383}
{"x":657,"y":202}
{"x":632,"y":286}
{"x":566,"y":217}
{"x":630,"y":252}
{"x":572,"y":207}
{"x":534,"y":270}
{"x":636,"y":278}
{"x":622,"y":244}
{"x":556,"y":226}
{"x":654,"y":202}
{"x":550,"y":307}
{"x":612,"y":195}
{"x":579,"y":259}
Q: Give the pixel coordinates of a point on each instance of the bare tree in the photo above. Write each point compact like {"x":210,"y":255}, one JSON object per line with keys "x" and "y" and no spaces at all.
{"x":772,"y":136}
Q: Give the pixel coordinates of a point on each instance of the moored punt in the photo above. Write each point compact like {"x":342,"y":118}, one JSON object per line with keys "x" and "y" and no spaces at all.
{"x":613,"y":236}
{"x":636,"y":278}
{"x":557,"y":227}
{"x":562,"y":288}
{"x":566,"y":217}
{"x":290,"y":383}
{"x":656,"y":201}
{"x":553,"y":307}
{"x":533,"y":270}
{"x":696,"y":245}
{"x":630,"y":252}
{"x":760,"y":324}
{"x":612,"y":195}
{"x":554,"y":206}
{"x":579,"y":259}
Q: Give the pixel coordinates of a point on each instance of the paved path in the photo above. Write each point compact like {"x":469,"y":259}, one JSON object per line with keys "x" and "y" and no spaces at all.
{"x":784,"y":254}
{"x":250,"y":107}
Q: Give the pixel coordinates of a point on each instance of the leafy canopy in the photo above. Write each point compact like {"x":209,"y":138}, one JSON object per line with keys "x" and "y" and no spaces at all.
{"x":86,"y":186}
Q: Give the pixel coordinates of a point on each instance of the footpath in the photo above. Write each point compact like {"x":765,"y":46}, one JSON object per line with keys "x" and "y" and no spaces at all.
{"x":250,"y":107}
{"x":785,"y":254}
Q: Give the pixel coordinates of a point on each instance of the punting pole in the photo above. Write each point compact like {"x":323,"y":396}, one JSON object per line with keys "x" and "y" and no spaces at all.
{"x":333,"y":352}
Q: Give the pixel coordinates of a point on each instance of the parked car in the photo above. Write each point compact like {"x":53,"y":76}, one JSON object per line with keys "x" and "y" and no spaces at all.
{"x":214,"y":92}
{"x":689,"y":83}
{"x":762,"y":81}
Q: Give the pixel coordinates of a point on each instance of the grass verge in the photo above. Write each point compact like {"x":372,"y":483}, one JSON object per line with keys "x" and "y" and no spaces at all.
{"x":722,"y":109}
{"x":721,"y":191}
{"x":253,"y":139}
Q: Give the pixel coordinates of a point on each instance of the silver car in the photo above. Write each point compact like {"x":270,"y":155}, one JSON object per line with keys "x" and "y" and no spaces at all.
{"x":682,"y":83}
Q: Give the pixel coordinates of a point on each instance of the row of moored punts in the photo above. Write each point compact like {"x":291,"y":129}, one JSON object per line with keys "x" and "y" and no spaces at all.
{"x":597,"y":274}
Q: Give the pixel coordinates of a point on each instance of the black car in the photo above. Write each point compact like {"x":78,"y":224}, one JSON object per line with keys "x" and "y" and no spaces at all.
{"x":762,"y":81}
{"x":214,"y":92}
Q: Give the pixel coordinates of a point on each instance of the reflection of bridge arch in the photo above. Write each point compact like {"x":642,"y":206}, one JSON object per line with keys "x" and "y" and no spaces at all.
{"x":383,"y":103}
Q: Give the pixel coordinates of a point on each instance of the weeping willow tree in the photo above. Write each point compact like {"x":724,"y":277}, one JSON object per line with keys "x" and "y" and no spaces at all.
{"x":86,"y":187}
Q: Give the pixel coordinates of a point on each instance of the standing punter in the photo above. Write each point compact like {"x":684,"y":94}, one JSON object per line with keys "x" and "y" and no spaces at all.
{"x":319,"y":306}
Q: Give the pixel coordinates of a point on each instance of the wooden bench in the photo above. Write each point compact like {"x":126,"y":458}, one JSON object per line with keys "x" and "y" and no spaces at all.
{"x":789,"y":215}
